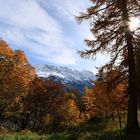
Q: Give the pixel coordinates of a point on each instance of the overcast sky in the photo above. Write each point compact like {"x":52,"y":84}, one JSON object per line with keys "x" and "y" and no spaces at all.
{"x":47,"y":31}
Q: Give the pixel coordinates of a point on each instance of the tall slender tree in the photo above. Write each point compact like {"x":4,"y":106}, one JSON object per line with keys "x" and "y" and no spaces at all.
{"x":110,"y":26}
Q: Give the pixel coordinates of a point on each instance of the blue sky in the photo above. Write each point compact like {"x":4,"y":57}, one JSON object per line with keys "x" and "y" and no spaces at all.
{"x":47,"y":31}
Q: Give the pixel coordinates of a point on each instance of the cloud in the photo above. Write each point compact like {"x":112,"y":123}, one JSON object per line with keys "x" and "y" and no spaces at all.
{"x":66,"y":9}
{"x":46,"y":30}
{"x":27,"y":26}
{"x":27,"y":14}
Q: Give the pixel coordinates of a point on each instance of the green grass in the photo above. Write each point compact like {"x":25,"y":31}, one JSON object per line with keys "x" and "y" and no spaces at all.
{"x":83,"y":135}
{"x":87,"y":131}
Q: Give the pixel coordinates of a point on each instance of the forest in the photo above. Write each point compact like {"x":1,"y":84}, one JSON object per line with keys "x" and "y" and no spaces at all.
{"x":35,"y":108}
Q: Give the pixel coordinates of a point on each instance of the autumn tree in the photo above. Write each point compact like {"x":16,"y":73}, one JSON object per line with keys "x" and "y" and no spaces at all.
{"x":110,"y":93}
{"x":110,"y":28}
{"x":69,"y":111}
{"x":107,"y":98}
{"x":43,"y":101}
{"x":88,"y":100}
{"x":6,"y":60}
{"x":15,"y":76}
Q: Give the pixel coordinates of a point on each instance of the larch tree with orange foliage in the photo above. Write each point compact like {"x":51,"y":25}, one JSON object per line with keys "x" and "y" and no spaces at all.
{"x":112,"y":34}
{"x":15,"y":76}
{"x":43,"y":101}
{"x":89,"y":103}
{"x":111,"y":93}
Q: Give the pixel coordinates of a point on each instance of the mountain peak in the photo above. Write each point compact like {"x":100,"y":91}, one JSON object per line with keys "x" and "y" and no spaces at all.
{"x":70,"y":78}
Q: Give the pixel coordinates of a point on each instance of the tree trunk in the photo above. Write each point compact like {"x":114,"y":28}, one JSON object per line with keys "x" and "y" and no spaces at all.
{"x":132,"y":115}
{"x":124,"y":117}
{"x":132,"y":119}
{"x":119,"y":116}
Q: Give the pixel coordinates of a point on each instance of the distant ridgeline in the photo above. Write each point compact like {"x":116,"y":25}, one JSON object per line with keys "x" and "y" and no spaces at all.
{"x":71,"y":79}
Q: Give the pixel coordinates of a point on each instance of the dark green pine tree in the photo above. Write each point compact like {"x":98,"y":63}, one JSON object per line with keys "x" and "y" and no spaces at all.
{"x":112,"y":34}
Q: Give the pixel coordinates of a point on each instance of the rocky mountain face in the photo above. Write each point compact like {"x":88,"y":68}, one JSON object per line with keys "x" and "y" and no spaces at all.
{"x":72,"y":79}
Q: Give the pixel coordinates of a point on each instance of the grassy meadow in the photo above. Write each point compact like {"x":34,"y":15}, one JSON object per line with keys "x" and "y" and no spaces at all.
{"x":89,"y":131}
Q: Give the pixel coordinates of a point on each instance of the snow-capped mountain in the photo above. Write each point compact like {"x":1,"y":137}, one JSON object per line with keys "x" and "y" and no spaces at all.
{"x":72,"y":79}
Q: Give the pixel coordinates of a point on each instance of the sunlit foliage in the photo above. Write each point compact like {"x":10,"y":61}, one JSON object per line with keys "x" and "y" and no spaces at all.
{"x":15,"y":76}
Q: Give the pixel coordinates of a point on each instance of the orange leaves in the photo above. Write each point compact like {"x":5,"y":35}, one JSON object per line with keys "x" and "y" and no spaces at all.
{"x":4,"y":49}
{"x":109,"y":92}
{"x":51,"y":105}
{"x":89,"y":102}
{"x":15,"y":76}
{"x":20,"y":56}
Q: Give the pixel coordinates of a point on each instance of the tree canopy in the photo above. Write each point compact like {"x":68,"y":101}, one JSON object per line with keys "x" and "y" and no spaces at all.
{"x":110,"y":26}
